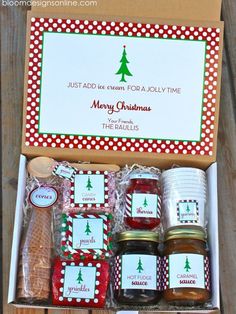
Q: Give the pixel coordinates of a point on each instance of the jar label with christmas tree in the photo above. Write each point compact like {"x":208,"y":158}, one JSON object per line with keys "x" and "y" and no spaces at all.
{"x":187,"y":211}
{"x":138,"y":271}
{"x":142,"y":205}
{"x":86,"y":235}
{"x":90,"y":189}
{"x":186,"y":271}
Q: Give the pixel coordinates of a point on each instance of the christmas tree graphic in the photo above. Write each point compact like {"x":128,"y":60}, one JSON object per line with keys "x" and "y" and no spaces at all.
{"x":145,"y":203}
{"x":79,"y":278}
{"x":89,"y":184}
{"x":123,"y":70}
{"x":88,"y":230}
{"x":187,"y":209}
{"x":140,"y":266}
{"x":187,"y":265}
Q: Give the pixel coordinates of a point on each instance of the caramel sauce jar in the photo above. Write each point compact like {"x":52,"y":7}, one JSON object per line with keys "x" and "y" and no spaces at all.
{"x":185,"y":267}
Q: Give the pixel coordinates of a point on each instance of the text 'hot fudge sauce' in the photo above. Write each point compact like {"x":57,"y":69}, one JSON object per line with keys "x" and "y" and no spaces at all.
{"x":143,"y":201}
{"x":186,"y":273}
{"x":137,"y":270}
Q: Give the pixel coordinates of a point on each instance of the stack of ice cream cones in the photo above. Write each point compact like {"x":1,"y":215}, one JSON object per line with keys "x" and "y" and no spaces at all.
{"x":35,"y":257}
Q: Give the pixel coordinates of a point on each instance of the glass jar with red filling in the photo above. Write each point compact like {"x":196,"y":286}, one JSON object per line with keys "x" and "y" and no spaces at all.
{"x":143,"y":201}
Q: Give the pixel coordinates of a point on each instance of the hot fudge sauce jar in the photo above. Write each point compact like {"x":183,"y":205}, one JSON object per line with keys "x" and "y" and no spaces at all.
{"x":143,"y":201}
{"x":186,"y":269}
{"x":137,"y":272}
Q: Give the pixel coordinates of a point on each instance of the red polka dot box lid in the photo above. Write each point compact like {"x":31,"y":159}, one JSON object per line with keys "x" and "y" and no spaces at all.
{"x":103,"y":90}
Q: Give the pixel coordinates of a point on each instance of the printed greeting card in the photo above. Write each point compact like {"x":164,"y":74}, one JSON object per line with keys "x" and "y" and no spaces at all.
{"x":122,"y":86}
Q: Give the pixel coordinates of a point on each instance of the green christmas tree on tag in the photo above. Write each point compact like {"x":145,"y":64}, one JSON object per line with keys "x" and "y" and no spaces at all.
{"x":123,"y":70}
{"x":140,"y":266}
{"x":80,"y":277}
{"x":89,"y":184}
{"x":145,"y":203}
{"x":187,"y":265}
{"x":88,"y":230}
{"x":187,"y":209}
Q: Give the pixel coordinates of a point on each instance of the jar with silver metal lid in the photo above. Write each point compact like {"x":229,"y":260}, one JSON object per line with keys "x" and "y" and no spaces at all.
{"x":137,"y":273}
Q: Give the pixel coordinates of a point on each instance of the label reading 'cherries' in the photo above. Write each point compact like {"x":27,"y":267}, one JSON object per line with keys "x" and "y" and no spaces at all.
{"x":142,"y":205}
{"x":43,"y":196}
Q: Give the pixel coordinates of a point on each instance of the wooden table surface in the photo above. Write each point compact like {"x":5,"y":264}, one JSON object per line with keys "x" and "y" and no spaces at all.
{"x":12,"y":67}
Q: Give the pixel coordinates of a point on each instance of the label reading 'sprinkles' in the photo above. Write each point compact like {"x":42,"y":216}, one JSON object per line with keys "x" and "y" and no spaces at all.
{"x":142,"y":205}
{"x":185,"y":271}
{"x":187,"y":211}
{"x":79,"y":282}
{"x":139,"y":271}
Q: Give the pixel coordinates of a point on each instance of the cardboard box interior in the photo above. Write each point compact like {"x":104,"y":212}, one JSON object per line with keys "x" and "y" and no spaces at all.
{"x":212,"y":237}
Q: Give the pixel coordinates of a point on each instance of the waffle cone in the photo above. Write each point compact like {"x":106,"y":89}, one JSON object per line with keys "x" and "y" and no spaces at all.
{"x":37,"y":251}
{"x":35,"y":261}
{"x":38,"y":235}
{"x":35,"y":272}
{"x":43,"y":254}
{"x":37,"y":296}
{"x":35,"y":257}
{"x":33,"y":284}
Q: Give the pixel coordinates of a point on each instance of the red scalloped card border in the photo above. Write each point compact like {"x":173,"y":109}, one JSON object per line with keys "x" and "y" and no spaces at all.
{"x":210,"y":35}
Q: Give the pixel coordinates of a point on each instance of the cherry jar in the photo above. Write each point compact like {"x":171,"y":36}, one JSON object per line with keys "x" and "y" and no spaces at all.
{"x":143,"y":201}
